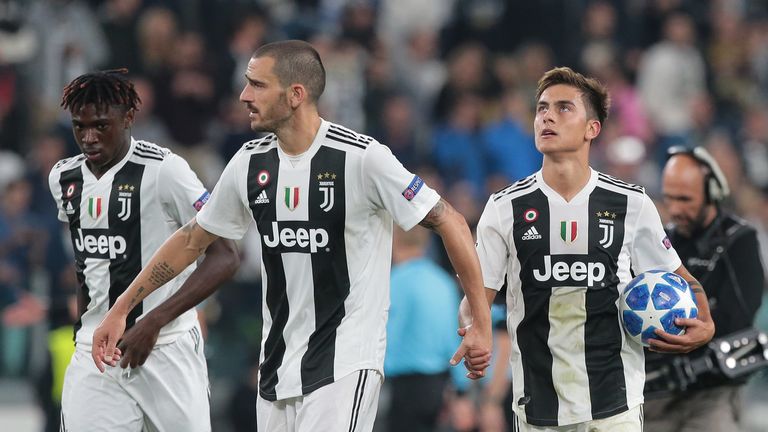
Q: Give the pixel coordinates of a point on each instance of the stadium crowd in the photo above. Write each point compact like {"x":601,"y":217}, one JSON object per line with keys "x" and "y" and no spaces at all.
{"x":448,"y":85}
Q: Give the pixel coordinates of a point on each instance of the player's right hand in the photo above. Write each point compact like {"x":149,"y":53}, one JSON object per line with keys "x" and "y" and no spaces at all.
{"x":105,"y":339}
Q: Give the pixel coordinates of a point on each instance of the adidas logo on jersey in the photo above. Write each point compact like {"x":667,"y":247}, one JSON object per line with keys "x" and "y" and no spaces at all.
{"x":531,"y":234}
{"x":262,"y":198}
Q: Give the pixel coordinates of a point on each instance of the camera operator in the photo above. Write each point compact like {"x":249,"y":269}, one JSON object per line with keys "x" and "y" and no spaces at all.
{"x":722,"y":252}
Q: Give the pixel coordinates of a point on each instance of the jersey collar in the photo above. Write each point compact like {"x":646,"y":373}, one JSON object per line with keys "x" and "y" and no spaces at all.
{"x":579,"y":197}
{"x":313,"y":148}
{"x":87,"y":173}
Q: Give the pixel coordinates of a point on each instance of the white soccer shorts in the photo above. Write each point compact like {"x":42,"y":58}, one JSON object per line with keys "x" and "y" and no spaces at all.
{"x":169,"y":393}
{"x":348,"y":404}
{"x":628,"y":421}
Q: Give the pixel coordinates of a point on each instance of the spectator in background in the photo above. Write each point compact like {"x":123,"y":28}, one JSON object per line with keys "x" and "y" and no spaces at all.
{"x":509,"y":145}
{"x":71,"y":43}
{"x":119,"y":20}
{"x":399,"y":130}
{"x":420,"y":70}
{"x":467,"y":73}
{"x":457,"y":147}
{"x":421,"y":334}
{"x":157,"y":32}
{"x":60,"y":277}
{"x":250,"y":31}
{"x":146,"y":123}
{"x":671,"y":75}
{"x":187,"y":103}
{"x":18,"y":44}
{"x":755,"y":145}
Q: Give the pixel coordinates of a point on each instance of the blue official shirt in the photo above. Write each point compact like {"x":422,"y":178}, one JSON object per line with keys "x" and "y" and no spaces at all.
{"x":421,"y":331}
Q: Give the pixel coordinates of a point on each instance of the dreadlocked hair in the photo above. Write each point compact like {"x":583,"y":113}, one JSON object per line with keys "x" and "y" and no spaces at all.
{"x":104,"y":89}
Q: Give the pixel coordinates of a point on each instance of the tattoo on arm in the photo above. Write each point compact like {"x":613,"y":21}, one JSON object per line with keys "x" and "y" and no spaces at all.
{"x":135,"y":298}
{"x":187,"y":229}
{"x":696,"y":287}
{"x":161,"y":273}
{"x":433,"y":219}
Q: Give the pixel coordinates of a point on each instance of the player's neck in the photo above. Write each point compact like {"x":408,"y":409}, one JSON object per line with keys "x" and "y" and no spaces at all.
{"x":566,"y":176}
{"x":297,"y":135}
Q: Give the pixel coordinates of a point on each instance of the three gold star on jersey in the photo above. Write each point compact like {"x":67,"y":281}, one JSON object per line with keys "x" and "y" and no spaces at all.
{"x":326,"y":175}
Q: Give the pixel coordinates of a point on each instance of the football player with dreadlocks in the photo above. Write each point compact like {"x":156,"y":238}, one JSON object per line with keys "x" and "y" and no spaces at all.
{"x":122,"y":198}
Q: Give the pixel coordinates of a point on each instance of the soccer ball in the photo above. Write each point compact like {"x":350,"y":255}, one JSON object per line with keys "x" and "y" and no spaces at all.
{"x":652,"y":300}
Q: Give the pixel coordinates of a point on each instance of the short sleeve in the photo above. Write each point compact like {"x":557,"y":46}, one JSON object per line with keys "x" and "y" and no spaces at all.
{"x":392,"y":187}
{"x":226,"y":214}
{"x":492,"y":249}
{"x":55,"y":188}
{"x":651,"y":248}
{"x":182,"y":192}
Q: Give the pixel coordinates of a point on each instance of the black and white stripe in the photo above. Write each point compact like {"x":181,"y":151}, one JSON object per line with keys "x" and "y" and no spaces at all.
{"x":124,"y":268}
{"x":276,"y":296}
{"x":330,"y":274}
{"x":613,"y":181}
{"x":357,"y":401}
{"x":346,"y":136}
{"x":540,"y":399}
{"x":518,"y":186}
{"x":73,"y":178}
{"x":603,"y":338}
{"x":260,"y":142}
{"x":149,"y":151}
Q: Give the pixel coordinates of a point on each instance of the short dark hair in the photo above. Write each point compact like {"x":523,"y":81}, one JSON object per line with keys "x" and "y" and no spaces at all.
{"x":593,"y":93}
{"x":296,"y":62}
{"x":104,"y":89}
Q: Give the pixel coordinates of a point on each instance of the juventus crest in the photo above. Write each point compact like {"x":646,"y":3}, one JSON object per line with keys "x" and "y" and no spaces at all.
{"x":124,"y":197}
{"x":327,"y":183}
{"x":605,"y":222}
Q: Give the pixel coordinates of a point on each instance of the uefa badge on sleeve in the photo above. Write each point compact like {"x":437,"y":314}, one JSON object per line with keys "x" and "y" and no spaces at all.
{"x":413,"y":188}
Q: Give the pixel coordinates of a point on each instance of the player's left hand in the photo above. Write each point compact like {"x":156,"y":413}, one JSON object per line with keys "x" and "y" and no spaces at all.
{"x":137,"y":343}
{"x":475,"y":348}
{"x":697,"y":333}
{"x":105,"y":339}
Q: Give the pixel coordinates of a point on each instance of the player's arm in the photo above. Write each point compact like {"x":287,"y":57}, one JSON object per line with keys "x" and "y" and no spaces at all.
{"x":458,"y":242}
{"x":220,"y":263}
{"x":176,"y":254}
{"x":698,"y":331}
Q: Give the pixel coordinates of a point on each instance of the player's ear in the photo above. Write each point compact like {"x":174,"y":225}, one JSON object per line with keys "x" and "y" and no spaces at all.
{"x":593,"y":129}
{"x":296,"y":95}
{"x":129,"y":117}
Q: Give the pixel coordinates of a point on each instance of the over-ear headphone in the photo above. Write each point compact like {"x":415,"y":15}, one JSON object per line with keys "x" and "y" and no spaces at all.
{"x":715,"y":184}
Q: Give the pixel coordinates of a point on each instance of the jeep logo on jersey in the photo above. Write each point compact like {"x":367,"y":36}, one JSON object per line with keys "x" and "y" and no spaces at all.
{"x":570,"y":274}
{"x":295,"y":236}
{"x":97,"y":243}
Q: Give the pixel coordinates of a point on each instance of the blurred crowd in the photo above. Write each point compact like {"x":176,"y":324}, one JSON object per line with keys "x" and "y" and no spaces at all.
{"x":448,"y":85}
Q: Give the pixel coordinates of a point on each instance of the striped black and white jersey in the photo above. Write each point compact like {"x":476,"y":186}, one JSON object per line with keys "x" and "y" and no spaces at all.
{"x":118,"y":221}
{"x":565,"y":264}
{"x":325,"y":223}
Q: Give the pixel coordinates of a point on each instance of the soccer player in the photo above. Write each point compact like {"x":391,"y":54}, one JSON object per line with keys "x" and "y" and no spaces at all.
{"x":122,"y":198}
{"x":323,"y":198}
{"x":566,"y":240}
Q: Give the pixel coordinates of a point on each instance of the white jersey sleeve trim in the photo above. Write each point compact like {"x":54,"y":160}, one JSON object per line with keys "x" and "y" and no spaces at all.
{"x":391,"y":186}
{"x":226,"y":213}
{"x":648,"y":249}
{"x":492,"y":249}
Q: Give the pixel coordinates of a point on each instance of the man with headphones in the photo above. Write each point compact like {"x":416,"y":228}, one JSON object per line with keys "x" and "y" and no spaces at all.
{"x":720,"y":250}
